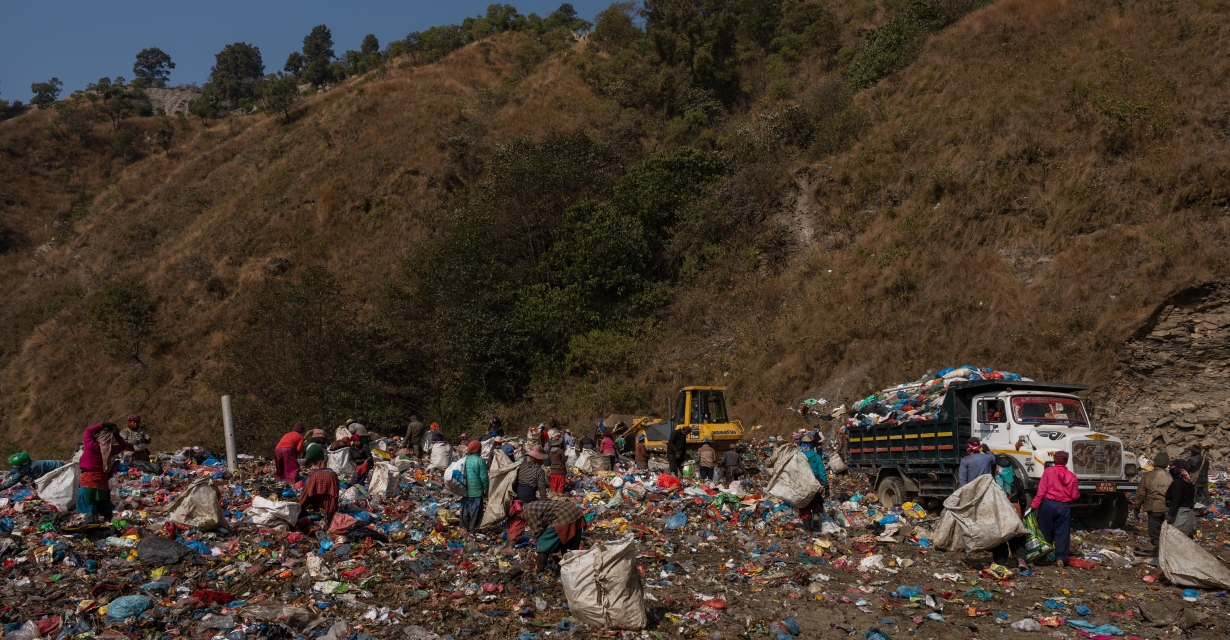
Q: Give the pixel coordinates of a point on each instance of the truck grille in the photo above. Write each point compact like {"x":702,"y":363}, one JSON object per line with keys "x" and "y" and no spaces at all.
{"x":1097,"y":458}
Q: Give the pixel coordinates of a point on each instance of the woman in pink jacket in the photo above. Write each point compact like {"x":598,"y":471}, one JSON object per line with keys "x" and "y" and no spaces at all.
{"x":1056,"y":491}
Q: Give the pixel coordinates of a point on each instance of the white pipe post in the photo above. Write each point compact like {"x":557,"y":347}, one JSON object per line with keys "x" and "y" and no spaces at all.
{"x":228,"y":428}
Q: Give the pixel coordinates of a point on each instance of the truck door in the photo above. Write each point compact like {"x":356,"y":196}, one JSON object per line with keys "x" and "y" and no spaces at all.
{"x":991,"y":420}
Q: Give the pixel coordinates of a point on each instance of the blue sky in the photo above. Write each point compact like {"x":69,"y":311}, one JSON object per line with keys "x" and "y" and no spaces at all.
{"x":82,"y":41}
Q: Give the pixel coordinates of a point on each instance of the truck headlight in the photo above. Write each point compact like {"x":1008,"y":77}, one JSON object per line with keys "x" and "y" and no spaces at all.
{"x":1130,"y":469}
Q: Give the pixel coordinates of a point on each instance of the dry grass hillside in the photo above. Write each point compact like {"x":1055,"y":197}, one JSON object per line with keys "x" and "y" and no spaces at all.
{"x":348,"y":184}
{"x":1027,"y":192}
{"x":1034,"y":185}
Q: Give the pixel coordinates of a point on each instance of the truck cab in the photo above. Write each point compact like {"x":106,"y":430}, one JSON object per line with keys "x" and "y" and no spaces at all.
{"x":1025,"y":420}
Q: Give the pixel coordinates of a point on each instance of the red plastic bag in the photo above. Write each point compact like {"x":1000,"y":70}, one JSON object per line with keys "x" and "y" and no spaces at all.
{"x":1081,"y":563}
{"x":667,"y":481}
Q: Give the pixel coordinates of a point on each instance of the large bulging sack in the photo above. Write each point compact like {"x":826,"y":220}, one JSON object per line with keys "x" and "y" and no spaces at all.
{"x":441,"y":456}
{"x":341,"y":464}
{"x":984,"y":514}
{"x":198,"y":507}
{"x":502,"y":477}
{"x":268,"y":513}
{"x":1187,"y":564}
{"x":836,"y":465}
{"x":455,"y":478}
{"x":593,"y":462}
{"x":59,"y":487}
{"x":384,"y":480}
{"x":791,"y":478}
{"x":603,"y":585}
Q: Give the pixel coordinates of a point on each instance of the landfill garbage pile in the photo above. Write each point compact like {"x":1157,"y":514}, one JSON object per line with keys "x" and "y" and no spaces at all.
{"x":921,"y":399}
{"x":709,"y":560}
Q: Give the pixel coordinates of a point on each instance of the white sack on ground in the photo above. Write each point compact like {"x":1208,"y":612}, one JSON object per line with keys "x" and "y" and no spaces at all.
{"x":341,"y":463}
{"x":441,"y":456}
{"x":603,"y":585}
{"x":502,"y":479}
{"x":59,"y":487}
{"x":198,"y":507}
{"x":790,"y":476}
{"x":592,"y":462}
{"x":835,"y":465}
{"x":385,"y":477}
{"x":983,"y":513}
{"x":269,"y":513}
{"x":454,"y":478}
{"x":1187,"y":564}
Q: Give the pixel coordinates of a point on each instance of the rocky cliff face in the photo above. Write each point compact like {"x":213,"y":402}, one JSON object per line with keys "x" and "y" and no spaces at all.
{"x":1172,"y":389}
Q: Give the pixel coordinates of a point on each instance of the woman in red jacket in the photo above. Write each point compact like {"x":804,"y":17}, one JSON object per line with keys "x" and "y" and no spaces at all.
{"x":1056,"y":491}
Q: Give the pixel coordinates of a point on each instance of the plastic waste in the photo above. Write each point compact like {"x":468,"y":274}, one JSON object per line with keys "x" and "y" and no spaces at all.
{"x":1026,"y":625}
{"x":128,"y":606}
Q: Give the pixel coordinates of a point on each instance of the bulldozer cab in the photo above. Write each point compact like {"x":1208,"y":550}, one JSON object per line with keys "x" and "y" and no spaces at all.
{"x":699,"y":411}
{"x":701,"y":405}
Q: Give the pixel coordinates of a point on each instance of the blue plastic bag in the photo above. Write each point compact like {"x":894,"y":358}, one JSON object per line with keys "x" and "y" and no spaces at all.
{"x":909,"y":592}
{"x":677,"y":520}
{"x":199,"y":547}
{"x":128,"y":606}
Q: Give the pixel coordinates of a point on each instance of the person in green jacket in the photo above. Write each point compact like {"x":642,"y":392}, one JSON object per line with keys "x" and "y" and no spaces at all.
{"x":476,"y":487}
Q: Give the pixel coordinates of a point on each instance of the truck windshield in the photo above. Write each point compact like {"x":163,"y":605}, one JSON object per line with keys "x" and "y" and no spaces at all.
{"x":1037,"y":409}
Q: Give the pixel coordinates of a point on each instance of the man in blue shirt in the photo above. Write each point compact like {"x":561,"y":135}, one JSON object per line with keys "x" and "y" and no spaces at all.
{"x":27,"y":470}
{"x":977,"y":462}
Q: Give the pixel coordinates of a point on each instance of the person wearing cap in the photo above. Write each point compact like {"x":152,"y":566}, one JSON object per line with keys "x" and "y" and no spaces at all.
{"x":558,"y":457}
{"x":1181,"y":498}
{"x":360,"y":452}
{"x":137,"y":438}
{"x":1151,"y":499}
{"x":1056,"y":491}
{"x":320,"y":490}
{"x":476,"y":487}
{"x":531,"y":478}
{"x":975,"y":464}
{"x":414,"y":436}
{"x":706,"y":459}
{"x":568,"y":439}
{"x":286,"y":455}
{"x":27,"y":470}
{"x":1013,"y":487}
{"x":1198,"y":469}
{"x":463,"y":442}
{"x":732,"y":463}
{"x":812,"y":512}
{"x":642,"y":452}
{"x":676,"y":448}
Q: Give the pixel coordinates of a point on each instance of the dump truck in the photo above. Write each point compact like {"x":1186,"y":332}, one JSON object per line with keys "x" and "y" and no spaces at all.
{"x":699,"y":410}
{"x":1025,"y":420}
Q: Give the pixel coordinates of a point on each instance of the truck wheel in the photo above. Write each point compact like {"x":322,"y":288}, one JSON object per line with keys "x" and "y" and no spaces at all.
{"x":892,"y":492}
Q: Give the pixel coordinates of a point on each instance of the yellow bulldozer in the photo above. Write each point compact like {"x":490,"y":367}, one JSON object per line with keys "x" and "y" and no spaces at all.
{"x":699,"y":410}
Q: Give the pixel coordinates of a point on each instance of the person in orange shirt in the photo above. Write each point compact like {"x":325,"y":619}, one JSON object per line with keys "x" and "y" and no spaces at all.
{"x":286,"y":455}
